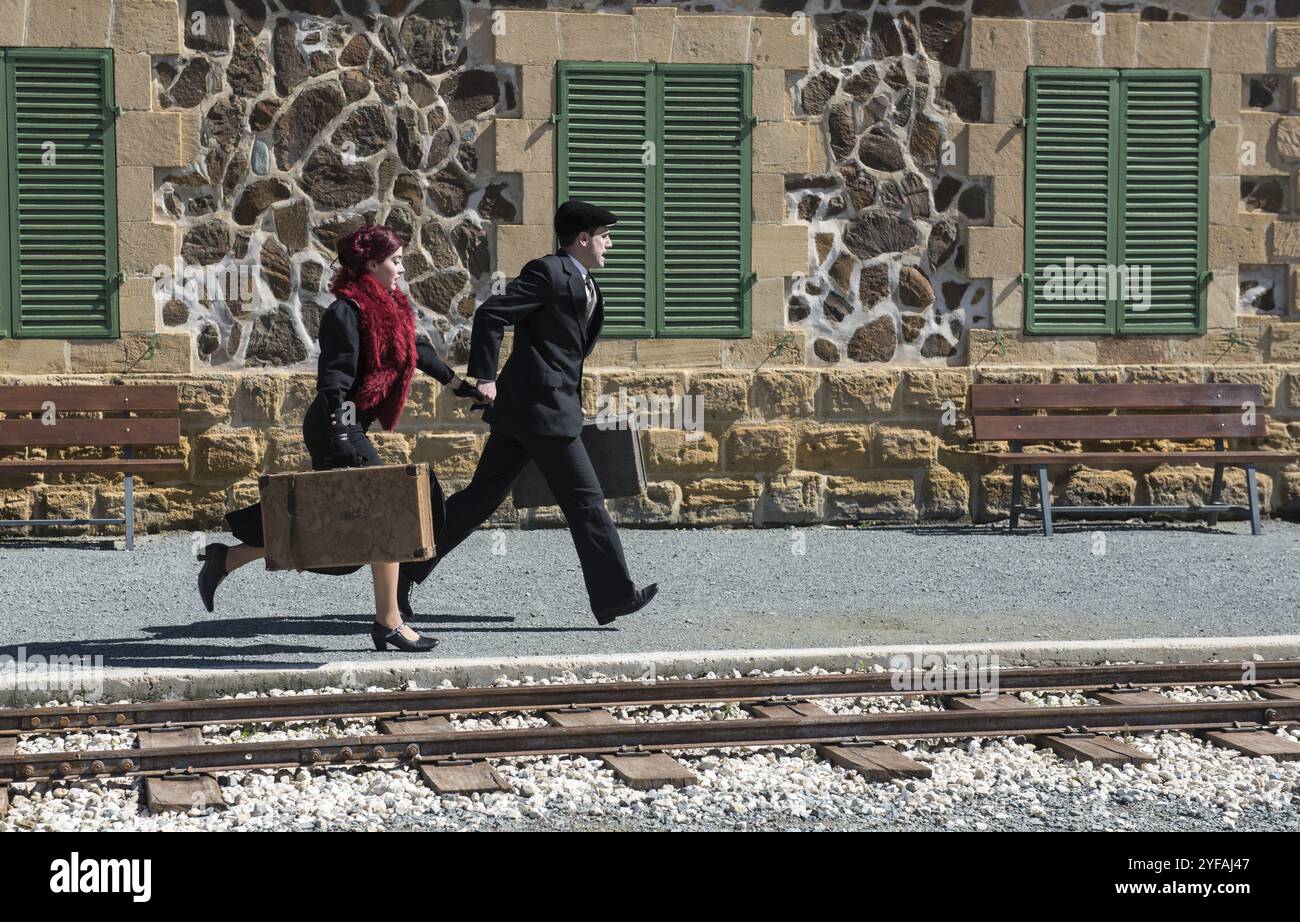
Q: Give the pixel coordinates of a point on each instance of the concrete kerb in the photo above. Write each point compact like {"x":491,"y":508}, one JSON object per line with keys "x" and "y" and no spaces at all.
{"x":170,"y":684}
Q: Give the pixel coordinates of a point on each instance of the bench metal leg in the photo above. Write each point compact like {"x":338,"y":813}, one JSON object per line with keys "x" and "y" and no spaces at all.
{"x":1253,"y":491}
{"x":130,"y":514}
{"x":1216,"y":491}
{"x":1045,"y":498}
{"x":1015,"y":495}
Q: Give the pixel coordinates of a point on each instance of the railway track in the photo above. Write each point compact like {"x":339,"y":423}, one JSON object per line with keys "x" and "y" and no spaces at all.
{"x":178,"y":766}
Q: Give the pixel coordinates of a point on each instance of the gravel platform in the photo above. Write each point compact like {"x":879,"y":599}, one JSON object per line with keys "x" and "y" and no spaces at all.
{"x":517,"y":593}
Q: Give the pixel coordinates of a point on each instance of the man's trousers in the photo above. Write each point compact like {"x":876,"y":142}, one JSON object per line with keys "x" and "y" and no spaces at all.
{"x":564,"y":462}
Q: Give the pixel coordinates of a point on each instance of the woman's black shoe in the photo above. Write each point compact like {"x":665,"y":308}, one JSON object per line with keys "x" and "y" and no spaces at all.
{"x":382,"y":637}
{"x":213,"y":572}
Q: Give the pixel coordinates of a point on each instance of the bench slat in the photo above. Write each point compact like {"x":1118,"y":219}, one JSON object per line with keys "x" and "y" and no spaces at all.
{"x":1197,"y":511}
{"x":86,"y":398}
{"x":1147,"y":426}
{"x":96,"y":466}
{"x":1114,"y":396}
{"x":66,"y":433}
{"x":1126,"y":458}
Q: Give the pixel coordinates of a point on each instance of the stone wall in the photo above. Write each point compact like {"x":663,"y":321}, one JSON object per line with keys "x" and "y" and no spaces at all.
{"x":429,"y":117}
{"x":256,"y":132}
{"x":315,"y":121}
{"x":886,"y":215}
{"x":785,"y":446}
{"x":887,"y":218}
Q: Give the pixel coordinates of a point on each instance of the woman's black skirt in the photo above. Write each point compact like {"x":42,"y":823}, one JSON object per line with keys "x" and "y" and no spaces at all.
{"x":246,"y":524}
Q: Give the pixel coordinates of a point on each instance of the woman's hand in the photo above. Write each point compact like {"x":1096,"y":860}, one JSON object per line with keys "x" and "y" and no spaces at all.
{"x":343,"y":452}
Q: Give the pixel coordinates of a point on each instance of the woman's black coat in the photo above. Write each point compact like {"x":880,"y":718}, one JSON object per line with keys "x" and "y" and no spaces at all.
{"x":339,"y":369}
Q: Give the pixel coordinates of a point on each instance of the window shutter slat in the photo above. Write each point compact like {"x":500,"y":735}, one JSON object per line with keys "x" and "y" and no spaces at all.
{"x":706,"y":201}
{"x":606,"y":120}
{"x":1070,"y":207}
{"x":1164,"y":197}
{"x":63,"y":246}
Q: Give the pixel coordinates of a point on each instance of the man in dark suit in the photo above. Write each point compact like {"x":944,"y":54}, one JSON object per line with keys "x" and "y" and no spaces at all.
{"x":535,"y":409}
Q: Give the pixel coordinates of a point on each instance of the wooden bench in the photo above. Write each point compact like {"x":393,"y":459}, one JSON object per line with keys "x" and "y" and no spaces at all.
{"x":46,"y":428}
{"x":1031,"y":413}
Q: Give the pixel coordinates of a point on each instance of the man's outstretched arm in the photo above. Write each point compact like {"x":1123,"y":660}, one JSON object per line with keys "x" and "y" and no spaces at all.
{"x":523,"y":295}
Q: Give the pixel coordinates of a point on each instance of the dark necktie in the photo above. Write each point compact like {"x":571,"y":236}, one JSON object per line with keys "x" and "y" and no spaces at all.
{"x":591,"y":300}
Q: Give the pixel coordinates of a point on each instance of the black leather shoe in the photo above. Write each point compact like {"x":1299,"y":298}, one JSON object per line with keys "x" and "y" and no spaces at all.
{"x":383,"y":636}
{"x":639,"y":601}
{"x":213,"y":572}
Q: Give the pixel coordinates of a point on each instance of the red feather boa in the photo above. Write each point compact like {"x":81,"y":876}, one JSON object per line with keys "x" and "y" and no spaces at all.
{"x":388,"y":355}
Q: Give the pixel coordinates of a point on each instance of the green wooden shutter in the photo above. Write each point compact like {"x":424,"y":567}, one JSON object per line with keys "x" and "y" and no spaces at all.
{"x":62,"y":249}
{"x":1070,"y":196}
{"x":1164,"y":190}
{"x":705,"y":203}
{"x":606,"y":116}
{"x":1116,"y":175}
{"x":6,"y":257}
{"x":667,"y":148}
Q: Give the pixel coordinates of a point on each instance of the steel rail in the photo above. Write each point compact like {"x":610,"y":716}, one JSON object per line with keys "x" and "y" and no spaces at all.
{"x":157,"y":714}
{"x":648,"y":737}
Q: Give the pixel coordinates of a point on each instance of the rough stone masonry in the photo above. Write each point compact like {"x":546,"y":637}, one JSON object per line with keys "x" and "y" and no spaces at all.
{"x":294,"y":121}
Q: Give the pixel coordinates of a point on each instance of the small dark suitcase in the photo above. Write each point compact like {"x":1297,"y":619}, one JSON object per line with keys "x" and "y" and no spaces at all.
{"x":615,"y":452}
{"x":348,"y":516}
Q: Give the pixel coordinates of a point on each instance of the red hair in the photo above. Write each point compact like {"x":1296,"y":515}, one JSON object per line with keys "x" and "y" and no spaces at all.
{"x":372,"y":243}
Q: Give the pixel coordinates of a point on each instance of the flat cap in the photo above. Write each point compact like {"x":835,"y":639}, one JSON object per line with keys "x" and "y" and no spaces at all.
{"x":575,"y":215}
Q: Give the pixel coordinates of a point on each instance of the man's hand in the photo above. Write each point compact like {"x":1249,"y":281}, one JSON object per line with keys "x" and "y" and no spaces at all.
{"x":488,"y":389}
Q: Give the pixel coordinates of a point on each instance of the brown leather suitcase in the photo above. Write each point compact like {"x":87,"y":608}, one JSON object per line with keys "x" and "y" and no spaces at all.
{"x":615,"y":452}
{"x":348,"y":516}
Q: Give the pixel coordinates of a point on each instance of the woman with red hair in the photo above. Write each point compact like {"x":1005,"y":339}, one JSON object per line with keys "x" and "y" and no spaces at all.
{"x":368,"y":355}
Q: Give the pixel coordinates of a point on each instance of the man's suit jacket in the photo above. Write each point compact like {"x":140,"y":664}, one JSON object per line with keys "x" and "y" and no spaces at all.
{"x":539,"y":390}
